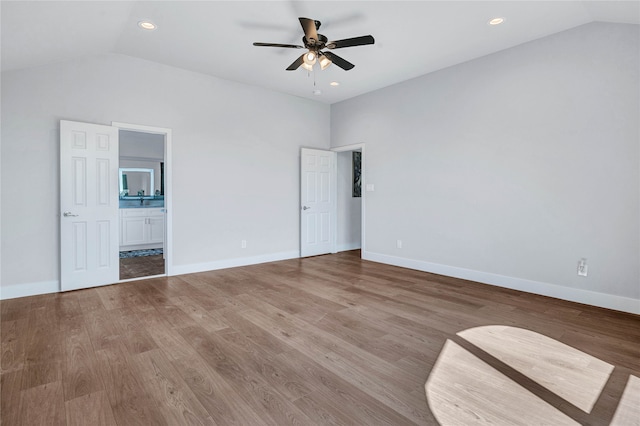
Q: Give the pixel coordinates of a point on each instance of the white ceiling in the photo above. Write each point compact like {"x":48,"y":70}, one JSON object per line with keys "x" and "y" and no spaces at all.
{"x":215,"y":37}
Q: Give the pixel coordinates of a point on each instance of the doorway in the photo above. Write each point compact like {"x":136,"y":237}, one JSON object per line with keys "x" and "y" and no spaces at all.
{"x":351,"y":197}
{"x":144,"y":200}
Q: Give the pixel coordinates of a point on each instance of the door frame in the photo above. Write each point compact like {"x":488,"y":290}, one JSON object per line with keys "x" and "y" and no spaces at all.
{"x":168,"y":196}
{"x":363,"y":170}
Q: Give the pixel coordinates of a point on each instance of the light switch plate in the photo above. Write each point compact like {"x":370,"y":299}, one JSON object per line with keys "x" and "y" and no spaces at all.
{"x":370,"y":187}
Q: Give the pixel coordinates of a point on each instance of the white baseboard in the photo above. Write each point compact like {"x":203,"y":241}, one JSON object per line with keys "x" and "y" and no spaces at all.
{"x":348,"y":247}
{"x":232,"y":263}
{"x":619,"y":303}
{"x":603,"y":300}
{"x":44,"y":287}
{"x":29,"y":289}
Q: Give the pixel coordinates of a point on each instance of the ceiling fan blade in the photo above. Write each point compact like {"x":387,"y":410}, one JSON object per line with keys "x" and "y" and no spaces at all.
{"x":292,"y":46}
{"x":349,"y":42}
{"x":342,"y":63}
{"x":296,"y":64}
{"x":309,"y":28}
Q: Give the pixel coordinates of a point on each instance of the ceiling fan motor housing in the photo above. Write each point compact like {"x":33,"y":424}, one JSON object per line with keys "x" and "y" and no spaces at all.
{"x":315,"y":45}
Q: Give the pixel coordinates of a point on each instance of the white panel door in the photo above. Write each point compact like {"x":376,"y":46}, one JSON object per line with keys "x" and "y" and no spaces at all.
{"x":89,"y":205}
{"x":318,"y":202}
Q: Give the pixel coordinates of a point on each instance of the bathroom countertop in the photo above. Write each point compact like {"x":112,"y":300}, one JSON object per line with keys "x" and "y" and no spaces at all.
{"x":146,"y":203}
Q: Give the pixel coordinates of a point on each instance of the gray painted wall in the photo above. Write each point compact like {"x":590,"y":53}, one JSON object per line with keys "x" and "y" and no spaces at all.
{"x":510,"y":168}
{"x":235,"y":158}
{"x":141,"y":145}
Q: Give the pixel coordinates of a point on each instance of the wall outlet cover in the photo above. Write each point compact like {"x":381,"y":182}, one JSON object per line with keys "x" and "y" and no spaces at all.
{"x":583,"y":268}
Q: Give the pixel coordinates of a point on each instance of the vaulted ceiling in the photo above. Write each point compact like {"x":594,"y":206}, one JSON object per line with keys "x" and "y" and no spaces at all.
{"x":215,"y":37}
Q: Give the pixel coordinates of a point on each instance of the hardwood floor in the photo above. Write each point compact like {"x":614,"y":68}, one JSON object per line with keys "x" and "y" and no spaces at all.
{"x":324,"y":340}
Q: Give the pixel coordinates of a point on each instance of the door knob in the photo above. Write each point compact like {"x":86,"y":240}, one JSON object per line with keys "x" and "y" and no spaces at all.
{"x":305,"y":208}
{"x":69,"y":214}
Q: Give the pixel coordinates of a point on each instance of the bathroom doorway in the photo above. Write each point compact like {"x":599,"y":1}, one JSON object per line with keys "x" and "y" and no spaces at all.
{"x":143,"y":203}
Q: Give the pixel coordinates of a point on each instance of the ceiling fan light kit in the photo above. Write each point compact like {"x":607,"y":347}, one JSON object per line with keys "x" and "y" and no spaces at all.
{"x":324,"y":62}
{"x":310,"y":58}
{"x":314,"y":43}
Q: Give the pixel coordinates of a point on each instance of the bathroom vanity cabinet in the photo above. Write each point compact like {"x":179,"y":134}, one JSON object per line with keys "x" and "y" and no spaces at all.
{"x":141,"y":228}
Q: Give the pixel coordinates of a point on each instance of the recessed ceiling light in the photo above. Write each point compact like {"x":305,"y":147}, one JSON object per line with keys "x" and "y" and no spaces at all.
{"x":147,"y":25}
{"x":334,"y":83}
{"x":496,"y":21}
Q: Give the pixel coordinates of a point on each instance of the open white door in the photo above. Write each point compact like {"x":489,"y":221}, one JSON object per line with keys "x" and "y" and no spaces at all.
{"x":318,"y":202}
{"x":89,"y":237}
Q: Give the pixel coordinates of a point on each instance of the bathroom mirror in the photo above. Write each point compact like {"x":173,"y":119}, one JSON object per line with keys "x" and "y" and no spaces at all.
{"x":136,"y":181}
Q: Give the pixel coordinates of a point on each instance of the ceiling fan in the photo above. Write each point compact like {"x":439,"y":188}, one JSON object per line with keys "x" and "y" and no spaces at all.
{"x":315,"y":42}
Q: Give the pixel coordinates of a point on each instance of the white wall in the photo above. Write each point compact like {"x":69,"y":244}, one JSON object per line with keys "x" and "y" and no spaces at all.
{"x":349,"y":208}
{"x":510,"y":168}
{"x":235,"y":160}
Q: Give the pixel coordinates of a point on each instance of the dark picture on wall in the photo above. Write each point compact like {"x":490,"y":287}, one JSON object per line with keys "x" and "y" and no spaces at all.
{"x":357,"y":174}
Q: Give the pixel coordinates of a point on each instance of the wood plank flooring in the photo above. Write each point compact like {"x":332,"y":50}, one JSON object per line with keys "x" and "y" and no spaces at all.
{"x":324,"y":340}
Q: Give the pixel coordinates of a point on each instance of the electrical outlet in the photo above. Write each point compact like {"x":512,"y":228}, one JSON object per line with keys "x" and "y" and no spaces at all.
{"x":243,"y":244}
{"x":399,"y":243}
{"x":583,"y":268}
